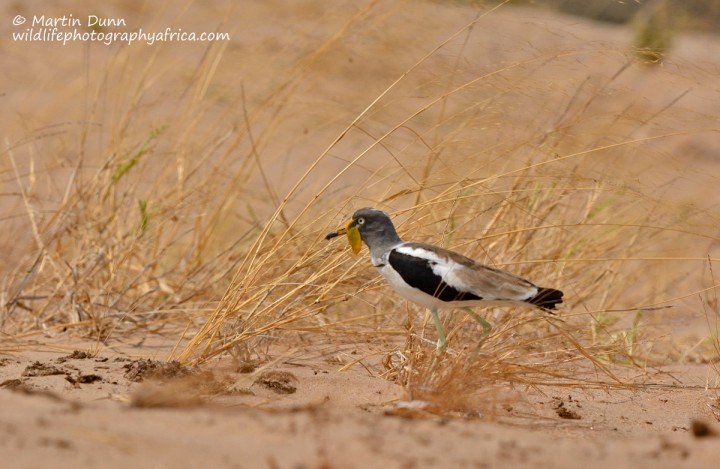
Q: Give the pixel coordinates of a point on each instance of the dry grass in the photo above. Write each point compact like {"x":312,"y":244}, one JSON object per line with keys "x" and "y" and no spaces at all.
{"x":179,"y":227}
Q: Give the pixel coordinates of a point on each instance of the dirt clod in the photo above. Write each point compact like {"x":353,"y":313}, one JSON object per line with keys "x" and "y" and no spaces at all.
{"x":12,"y":384}
{"x":76,"y":355}
{"x":247,"y":367}
{"x":702,"y":429}
{"x":42,"y":369}
{"x":140,"y":370}
{"x":87,"y":379}
{"x":281,"y":382}
{"x":565,"y":413}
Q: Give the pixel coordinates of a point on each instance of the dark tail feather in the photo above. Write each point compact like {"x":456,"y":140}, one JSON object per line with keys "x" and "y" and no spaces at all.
{"x":546,"y":298}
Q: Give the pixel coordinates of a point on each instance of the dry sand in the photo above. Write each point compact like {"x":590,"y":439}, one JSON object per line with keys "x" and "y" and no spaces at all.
{"x":74,"y":409}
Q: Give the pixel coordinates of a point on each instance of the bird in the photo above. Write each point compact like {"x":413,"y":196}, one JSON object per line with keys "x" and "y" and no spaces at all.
{"x":435,"y":277}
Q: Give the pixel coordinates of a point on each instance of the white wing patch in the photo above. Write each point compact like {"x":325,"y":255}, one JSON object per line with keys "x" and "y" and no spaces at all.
{"x":442,"y":266}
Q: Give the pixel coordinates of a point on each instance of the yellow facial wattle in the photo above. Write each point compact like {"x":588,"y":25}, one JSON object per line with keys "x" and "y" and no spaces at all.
{"x":353,"y":235}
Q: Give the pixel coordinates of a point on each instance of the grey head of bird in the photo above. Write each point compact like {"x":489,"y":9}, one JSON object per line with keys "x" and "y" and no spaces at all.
{"x":372,"y":226}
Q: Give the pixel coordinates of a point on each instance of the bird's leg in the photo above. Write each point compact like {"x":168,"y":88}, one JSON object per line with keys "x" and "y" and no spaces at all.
{"x":440,"y":344}
{"x":440,"y":332}
{"x":485,"y":325}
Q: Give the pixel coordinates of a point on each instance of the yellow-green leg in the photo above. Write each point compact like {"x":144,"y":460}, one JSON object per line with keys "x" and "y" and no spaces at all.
{"x":440,"y":343}
{"x":487,"y":328}
{"x":485,"y":325}
{"x":440,"y":332}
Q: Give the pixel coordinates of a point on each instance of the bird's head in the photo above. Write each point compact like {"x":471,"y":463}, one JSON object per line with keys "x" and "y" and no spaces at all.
{"x":370,"y":225}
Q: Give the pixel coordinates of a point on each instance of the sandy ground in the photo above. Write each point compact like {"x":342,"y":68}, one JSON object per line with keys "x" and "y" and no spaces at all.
{"x":113,"y":409}
{"x":65,"y":402}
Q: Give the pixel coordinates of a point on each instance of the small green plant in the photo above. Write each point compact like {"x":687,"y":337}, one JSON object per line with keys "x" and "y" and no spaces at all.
{"x":601,"y":324}
{"x":132,"y":159}
{"x":144,"y":215}
{"x":653,"y":32}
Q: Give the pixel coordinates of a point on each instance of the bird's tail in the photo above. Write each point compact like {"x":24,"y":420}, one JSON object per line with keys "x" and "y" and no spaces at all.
{"x":546,"y":298}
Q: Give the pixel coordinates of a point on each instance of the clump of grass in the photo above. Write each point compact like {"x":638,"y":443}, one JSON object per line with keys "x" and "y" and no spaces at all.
{"x":653,"y":30}
{"x":123,"y":243}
